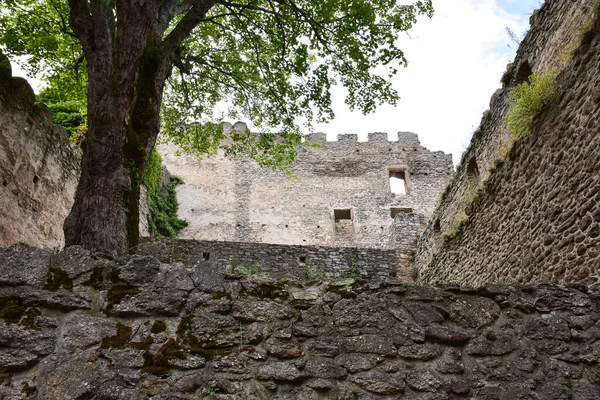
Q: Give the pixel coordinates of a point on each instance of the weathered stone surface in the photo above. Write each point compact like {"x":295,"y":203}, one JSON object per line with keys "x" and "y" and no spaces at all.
{"x":354,"y":362}
{"x":39,"y":170}
{"x":15,"y":360}
{"x":23,"y":265}
{"x":379,"y":382}
{"x":280,"y":372}
{"x":319,"y":367}
{"x":81,"y":331}
{"x":248,"y":339}
{"x":370,"y":344}
{"x":525,"y":210}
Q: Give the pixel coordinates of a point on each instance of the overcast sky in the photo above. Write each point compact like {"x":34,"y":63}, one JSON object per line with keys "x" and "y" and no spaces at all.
{"x":456,"y":60}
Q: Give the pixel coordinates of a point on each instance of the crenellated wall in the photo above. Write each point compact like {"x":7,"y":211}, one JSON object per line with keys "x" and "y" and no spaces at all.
{"x":231,"y":200}
{"x":74,"y":325}
{"x":531,"y":213}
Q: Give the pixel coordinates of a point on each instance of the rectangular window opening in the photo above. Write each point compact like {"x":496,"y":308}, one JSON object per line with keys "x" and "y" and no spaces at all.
{"x":342,"y":214}
{"x":205,"y":256}
{"x":398,"y":181}
{"x":302,"y":259}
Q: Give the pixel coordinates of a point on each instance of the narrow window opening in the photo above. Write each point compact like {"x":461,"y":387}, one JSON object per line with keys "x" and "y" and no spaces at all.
{"x":523,"y":73}
{"x":302,"y":259}
{"x":398,"y":181}
{"x":342,"y":214}
{"x":436,"y":226}
{"x":205,"y":256}
{"x":473,"y":171}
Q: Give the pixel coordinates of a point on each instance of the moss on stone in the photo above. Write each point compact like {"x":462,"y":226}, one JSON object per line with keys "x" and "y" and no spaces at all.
{"x":122,"y":339}
{"x":114,"y":275}
{"x":30,"y":319}
{"x":158,"y":327}
{"x":96,"y":278}
{"x":267,"y":289}
{"x":28,"y":390}
{"x":221,"y":295}
{"x":158,"y":364}
{"x":117,"y":293}
{"x":119,"y":340}
{"x":57,"y":278}
{"x":11,"y":309}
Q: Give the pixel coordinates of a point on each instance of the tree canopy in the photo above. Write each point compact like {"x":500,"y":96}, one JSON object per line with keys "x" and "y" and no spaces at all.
{"x":194,"y":62}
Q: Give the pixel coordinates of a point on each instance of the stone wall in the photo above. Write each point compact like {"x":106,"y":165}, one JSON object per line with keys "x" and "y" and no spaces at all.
{"x":524,"y":212}
{"x":78,"y":326}
{"x":38,"y":169}
{"x":229,"y":200}
{"x":300,"y":263}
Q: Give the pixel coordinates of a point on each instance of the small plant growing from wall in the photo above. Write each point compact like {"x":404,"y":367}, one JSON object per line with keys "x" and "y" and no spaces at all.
{"x":528,"y":100}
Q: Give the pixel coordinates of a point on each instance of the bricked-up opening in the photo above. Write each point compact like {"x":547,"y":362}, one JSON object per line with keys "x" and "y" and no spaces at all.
{"x":398,"y":181}
{"x":473,"y":171}
{"x":342,"y":214}
{"x":397,"y":210}
{"x":205,"y":256}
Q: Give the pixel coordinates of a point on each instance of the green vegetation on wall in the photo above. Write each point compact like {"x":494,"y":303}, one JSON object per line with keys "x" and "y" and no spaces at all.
{"x":162,"y":202}
{"x":527,"y":100}
{"x":68,"y":112}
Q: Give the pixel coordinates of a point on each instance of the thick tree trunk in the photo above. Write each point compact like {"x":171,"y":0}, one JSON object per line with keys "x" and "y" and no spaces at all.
{"x":128,"y":62}
{"x":103,"y":201}
{"x":105,"y":215}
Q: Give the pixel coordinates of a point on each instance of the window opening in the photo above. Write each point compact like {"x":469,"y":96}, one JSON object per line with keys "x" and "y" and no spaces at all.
{"x":302,"y":259}
{"x":342,"y":214}
{"x":205,"y":256}
{"x":473,"y":171}
{"x":398,"y":181}
{"x":436,"y":226}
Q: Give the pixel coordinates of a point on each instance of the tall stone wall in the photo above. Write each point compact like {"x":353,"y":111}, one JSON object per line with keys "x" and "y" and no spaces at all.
{"x":231,"y":200}
{"x":77,"y":326}
{"x":535,"y":217}
{"x":38,"y":168}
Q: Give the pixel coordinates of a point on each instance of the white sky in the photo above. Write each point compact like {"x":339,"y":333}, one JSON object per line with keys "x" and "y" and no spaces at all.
{"x":456,"y":60}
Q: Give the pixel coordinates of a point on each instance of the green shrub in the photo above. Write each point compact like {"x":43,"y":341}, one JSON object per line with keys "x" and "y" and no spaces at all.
{"x":162,"y":202}
{"x":527,"y":100}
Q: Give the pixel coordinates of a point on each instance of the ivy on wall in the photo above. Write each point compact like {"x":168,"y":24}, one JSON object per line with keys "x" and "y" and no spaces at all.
{"x":162,"y":201}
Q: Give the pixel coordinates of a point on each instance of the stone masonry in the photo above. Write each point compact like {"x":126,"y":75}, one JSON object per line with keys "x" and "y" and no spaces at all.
{"x":341,"y":195}
{"x":38,"y":169}
{"x":529,"y":211}
{"x":75,"y":325}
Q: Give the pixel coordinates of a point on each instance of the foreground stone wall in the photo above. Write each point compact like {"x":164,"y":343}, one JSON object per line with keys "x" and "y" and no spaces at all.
{"x":229,"y":200}
{"x":39,"y":170}
{"x":77,"y":326}
{"x":529,"y":214}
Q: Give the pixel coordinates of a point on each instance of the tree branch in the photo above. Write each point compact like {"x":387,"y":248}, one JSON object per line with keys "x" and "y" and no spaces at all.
{"x":188,"y":23}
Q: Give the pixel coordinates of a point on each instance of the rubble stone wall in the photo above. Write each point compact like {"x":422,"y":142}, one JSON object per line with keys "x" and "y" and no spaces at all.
{"x":38,"y":169}
{"x":300,"y":263}
{"x":78,"y":326}
{"x":529,"y":213}
{"x":235,"y":200}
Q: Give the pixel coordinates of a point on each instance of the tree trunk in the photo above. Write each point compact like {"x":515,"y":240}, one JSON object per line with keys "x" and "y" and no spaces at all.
{"x":128,"y":62}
